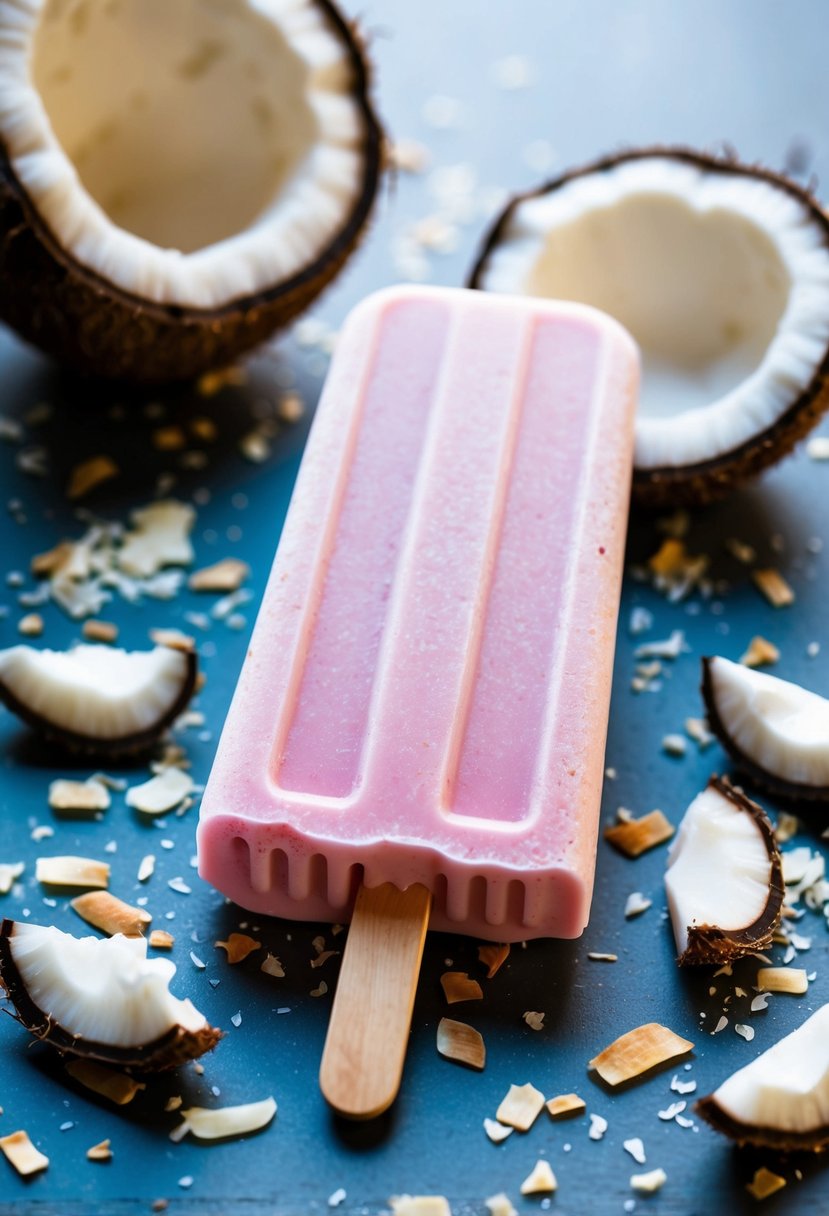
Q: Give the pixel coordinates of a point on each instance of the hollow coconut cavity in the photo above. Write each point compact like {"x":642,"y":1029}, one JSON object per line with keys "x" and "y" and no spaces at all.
{"x":724,"y":879}
{"x":781,"y":1099}
{"x":97,"y":699}
{"x":102,"y":999}
{"x":719,"y":270}
{"x":776,"y":732}
{"x":177,"y":179}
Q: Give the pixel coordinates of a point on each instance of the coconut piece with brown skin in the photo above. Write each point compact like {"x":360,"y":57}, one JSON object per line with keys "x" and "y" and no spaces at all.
{"x":100,"y":998}
{"x":724,"y":879}
{"x":781,"y":1099}
{"x":97,"y":699}
{"x":776,"y":732}
{"x":174,"y":189}
{"x":720,"y":271}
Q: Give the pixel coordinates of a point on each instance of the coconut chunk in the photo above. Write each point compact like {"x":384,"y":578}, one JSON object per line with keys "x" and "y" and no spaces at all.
{"x":457,"y":1041}
{"x":109,"y":1083}
{"x":217,"y":1124}
{"x":420,"y":1205}
{"x":773,"y":586}
{"x":638,"y":1052}
{"x":776,"y":732}
{"x":161,"y":793}
{"x":99,"y":631}
{"x":160,"y":939}
{"x":103,"y":911}
{"x":72,"y":872}
{"x":760,"y":653}
{"x":565,"y":1105}
{"x":78,"y":796}
{"x":272,"y":966}
{"x":226,"y":575}
{"x":493,"y":957}
{"x":792,"y":980}
{"x":457,"y":986}
{"x":542,"y":1180}
{"x":22,"y":1154}
{"x":724,"y":878}
{"x":650,"y":1182}
{"x":161,"y":537}
{"x":31,"y":625}
{"x":100,"y":1152}
{"x":781,"y":1099}
{"x":764,"y":1183}
{"x":521,"y":1107}
{"x":100,"y":998}
{"x":497,"y":1131}
{"x":9,"y":874}
{"x":500,"y":1205}
{"x":635,"y":836}
{"x":238,"y":946}
{"x":97,"y":698}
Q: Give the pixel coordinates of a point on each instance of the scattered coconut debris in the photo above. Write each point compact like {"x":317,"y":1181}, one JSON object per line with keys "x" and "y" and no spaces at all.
{"x":765,"y":1182}
{"x":497,"y":1131}
{"x":674,"y":745}
{"x":697,"y":729}
{"x":500,"y":1205}
{"x":79,"y":796}
{"x":320,"y":990}
{"x":409,"y":156}
{"x":746,"y":1032}
{"x":598,"y":1127}
{"x":787,"y":827}
{"x":565,"y":1105}
{"x":161,"y":793}
{"x":760,"y":653}
{"x":771,"y":583}
{"x":682,"y":1087}
{"x":272,"y":966}
{"x":146,"y":868}
{"x":521,"y":1107}
{"x":457,"y":986}
{"x":337,"y":1197}
{"x":637,"y":903}
{"x":669,"y":648}
{"x":22,"y":1154}
{"x":649,"y":1183}
{"x":160,"y":537}
{"x":9,"y":874}
{"x":89,"y":474}
{"x":493,"y":957}
{"x":108,"y":1082}
{"x":100,"y":1152}
{"x":224,"y":1121}
{"x":31,"y":625}
{"x":169,"y":438}
{"x":637,"y":1052}
{"x":636,"y":1148}
{"x":72,"y":872}
{"x":420,"y":1205}
{"x":111,"y":915}
{"x":671,"y":1112}
{"x":179,"y":885}
{"x":721,"y":1025}
{"x":238,"y":946}
{"x":100,"y":631}
{"x":597,"y":957}
{"x":792,"y":980}
{"x":211,"y":383}
{"x":641,"y":620}
{"x":173,"y":638}
{"x":634,"y":836}
{"x":759,"y":1002}
{"x":542,"y":1180}
{"x":742,"y":552}
{"x":225,"y":575}
{"x":675,"y":572}
{"x":457,"y":1041}
{"x":534,"y":1020}
{"x":160,"y":939}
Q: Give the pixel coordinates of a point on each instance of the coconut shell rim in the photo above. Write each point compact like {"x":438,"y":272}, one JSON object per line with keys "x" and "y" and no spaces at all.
{"x":760,"y":1136}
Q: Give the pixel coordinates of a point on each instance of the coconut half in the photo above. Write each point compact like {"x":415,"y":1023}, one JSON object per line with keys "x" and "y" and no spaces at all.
{"x":721,"y":273}
{"x":100,"y":998}
{"x":724,"y":879}
{"x":97,"y":699}
{"x":176,"y":180}
{"x":776,"y":732}
{"x":781,"y":1099}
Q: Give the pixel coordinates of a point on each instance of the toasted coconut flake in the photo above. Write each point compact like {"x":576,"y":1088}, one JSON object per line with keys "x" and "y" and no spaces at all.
{"x":22,"y":1154}
{"x":497,"y":1131}
{"x":226,"y":575}
{"x":31,"y":625}
{"x":419,"y":1205}
{"x":100,"y":1152}
{"x":521,"y":1107}
{"x":534,"y":1019}
{"x":100,"y":631}
{"x":764,"y":1183}
{"x":169,"y":438}
{"x":565,"y":1105}
{"x":174,"y":639}
{"x":72,"y":872}
{"x":111,"y":915}
{"x":649,"y":1183}
{"x":238,"y":946}
{"x":272,"y":966}
{"x":637,"y":1052}
{"x":9,"y":873}
{"x":637,"y":835}
{"x":457,"y":986}
{"x":597,"y":956}
{"x":783,"y":979}
{"x":760,"y":653}
{"x":773,"y":586}
{"x":493,"y":957}
{"x":227,"y":1121}
{"x":89,"y":474}
{"x":500,"y":1205}
{"x":457,"y":1041}
{"x":161,"y":793}
{"x":542,"y":1180}
{"x":160,"y":538}
{"x":79,"y":796}
{"x":160,"y":939}
{"x":109,"y":1083}
{"x":636,"y":903}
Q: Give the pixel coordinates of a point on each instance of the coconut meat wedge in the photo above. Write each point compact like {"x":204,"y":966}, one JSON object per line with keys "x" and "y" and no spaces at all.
{"x":100,"y":998}
{"x":95,"y":698}
{"x":721,"y":273}
{"x":776,"y":732}
{"x":724,"y":879}
{"x":180,"y":178}
{"x":781,"y":1099}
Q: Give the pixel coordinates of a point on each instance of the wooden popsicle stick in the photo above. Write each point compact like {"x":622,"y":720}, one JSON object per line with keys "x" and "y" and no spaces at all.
{"x":362,"y":1061}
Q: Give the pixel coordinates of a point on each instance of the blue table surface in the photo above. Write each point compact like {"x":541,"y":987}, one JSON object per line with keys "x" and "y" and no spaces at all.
{"x":751,"y":74}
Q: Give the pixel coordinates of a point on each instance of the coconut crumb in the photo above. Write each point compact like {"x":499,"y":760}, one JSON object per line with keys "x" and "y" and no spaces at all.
{"x":542,"y":1180}
{"x":169,"y":438}
{"x":238,"y":946}
{"x":697,"y":729}
{"x":9,"y":874}
{"x":320,"y":990}
{"x":648,"y":1183}
{"x":160,"y":939}
{"x":598,"y":1127}
{"x":787,"y":827}
{"x":223,"y":1121}
{"x":534,"y":1020}
{"x":674,"y":745}
{"x":792,"y":980}
{"x":31,"y":625}
{"x":566,"y":1105}
{"x":637,"y":1052}
{"x":597,"y":957}
{"x":22,"y":1154}
{"x":493,"y":957}
{"x":409,"y":156}
{"x":111,"y":915}
{"x":161,"y":793}
{"x":272,"y":966}
{"x":173,"y":638}
{"x":668,"y":648}
{"x":100,"y":631}
{"x":100,"y":1152}
{"x":636,"y":1148}
{"x":108,"y":1082}
{"x":84,"y":797}
{"x":457,"y":1041}
{"x":771,"y":583}
{"x":760,"y":653}
{"x":457,"y":986}
{"x":500,"y":1205}
{"x":89,"y":474}
{"x":159,"y":538}
{"x":636,"y":903}
{"x":497,"y":1131}
{"x":765,"y":1182}
{"x":146,"y":868}
{"x":521,"y":1107}
{"x":255,"y":446}
{"x":225,"y":575}
{"x":675,"y":572}
{"x":211,"y":383}
{"x":72,"y":872}
{"x":420,"y":1205}
{"x":635,"y":836}
{"x":817,"y":447}
{"x":744,"y":553}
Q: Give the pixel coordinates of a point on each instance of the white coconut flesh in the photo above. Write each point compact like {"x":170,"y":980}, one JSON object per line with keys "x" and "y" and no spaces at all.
{"x":96,"y":691}
{"x":779,"y":726}
{"x":104,"y":990}
{"x":722,"y":279}
{"x":191,"y":152}
{"x":787,"y":1087}
{"x":719,"y":868}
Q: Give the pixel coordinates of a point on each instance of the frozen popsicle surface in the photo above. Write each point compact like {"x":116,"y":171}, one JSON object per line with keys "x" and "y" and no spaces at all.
{"x":426,"y":693}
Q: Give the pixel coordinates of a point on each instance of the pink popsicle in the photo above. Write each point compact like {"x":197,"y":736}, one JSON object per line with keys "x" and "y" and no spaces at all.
{"x":426,"y":693}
